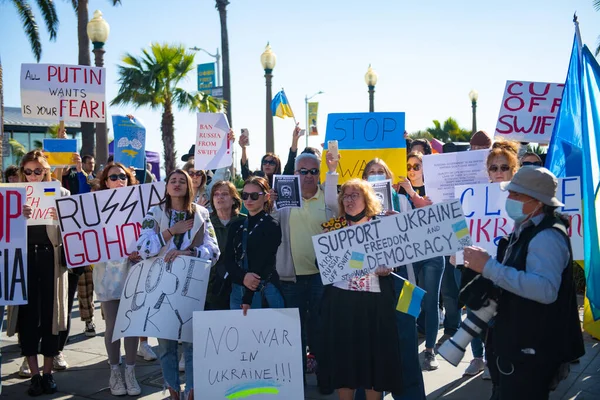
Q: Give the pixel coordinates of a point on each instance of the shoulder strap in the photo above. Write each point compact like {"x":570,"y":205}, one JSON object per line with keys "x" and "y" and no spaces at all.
{"x":245,"y":245}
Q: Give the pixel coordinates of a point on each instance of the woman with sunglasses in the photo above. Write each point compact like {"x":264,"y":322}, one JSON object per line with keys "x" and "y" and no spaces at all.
{"x":177,"y":227}
{"x":530,"y":158}
{"x":252,"y":244}
{"x":198,"y":176}
{"x":109,"y":279}
{"x":45,"y":315}
{"x":361,"y":310}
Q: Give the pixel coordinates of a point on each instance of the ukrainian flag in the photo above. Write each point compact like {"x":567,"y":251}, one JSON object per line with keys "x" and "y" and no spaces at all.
{"x":49,"y":192}
{"x":357,"y":260}
{"x":60,"y":151}
{"x":410,"y":299}
{"x":281,"y":106}
{"x":460,"y":229}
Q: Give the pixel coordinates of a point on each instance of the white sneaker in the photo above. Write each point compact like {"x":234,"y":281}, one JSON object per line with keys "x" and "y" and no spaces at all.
{"x":182,"y":363}
{"x":430,"y":361}
{"x":476,"y":366}
{"x":24,"y":371}
{"x":146,"y":352}
{"x":117,"y":386}
{"x":59,"y":363}
{"x":133,"y":388}
{"x":486,"y":374}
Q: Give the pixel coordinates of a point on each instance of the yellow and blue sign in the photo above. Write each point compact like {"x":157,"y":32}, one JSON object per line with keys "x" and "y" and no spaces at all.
{"x":364,"y":136}
{"x":60,"y":151}
{"x":206,"y":78}
{"x":280,"y":106}
{"x":130,"y":139}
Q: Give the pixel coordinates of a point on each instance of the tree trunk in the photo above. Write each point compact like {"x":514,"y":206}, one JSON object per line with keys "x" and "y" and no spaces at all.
{"x":167,"y":127}
{"x":222,"y":7}
{"x":88,"y":131}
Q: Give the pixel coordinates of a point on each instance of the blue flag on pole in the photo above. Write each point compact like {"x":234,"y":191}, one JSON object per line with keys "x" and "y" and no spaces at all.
{"x":574,"y":151}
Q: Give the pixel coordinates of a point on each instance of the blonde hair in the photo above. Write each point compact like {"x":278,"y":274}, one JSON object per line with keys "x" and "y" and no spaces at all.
{"x":35,"y":155}
{"x":377,"y":161}
{"x":508,"y":149}
{"x":372,"y":204}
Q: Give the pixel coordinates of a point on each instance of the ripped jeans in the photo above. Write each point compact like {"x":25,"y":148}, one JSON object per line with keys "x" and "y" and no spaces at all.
{"x":169,"y":364}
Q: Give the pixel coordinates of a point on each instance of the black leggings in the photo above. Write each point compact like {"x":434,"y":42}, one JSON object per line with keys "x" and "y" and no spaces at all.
{"x":72,"y":290}
{"x":35,"y":318}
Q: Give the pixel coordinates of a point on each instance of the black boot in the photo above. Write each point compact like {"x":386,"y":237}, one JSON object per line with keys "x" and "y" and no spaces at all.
{"x":35,"y":387}
{"x":495,"y":393}
{"x":48,"y":384}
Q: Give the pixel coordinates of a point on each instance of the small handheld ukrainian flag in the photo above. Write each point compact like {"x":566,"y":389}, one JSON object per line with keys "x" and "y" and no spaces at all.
{"x":281,"y":106}
{"x":410,"y":299}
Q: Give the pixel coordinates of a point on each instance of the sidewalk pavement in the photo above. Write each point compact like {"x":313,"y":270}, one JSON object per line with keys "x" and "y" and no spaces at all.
{"x":87,"y":376}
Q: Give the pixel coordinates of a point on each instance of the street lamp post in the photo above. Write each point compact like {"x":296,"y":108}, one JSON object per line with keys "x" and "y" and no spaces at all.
{"x":371,"y":81}
{"x":98,"y":30}
{"x":474,"y":95}
{"x":217,"y":58}
{"x":268,"y":59}
{"x":306,"y":99}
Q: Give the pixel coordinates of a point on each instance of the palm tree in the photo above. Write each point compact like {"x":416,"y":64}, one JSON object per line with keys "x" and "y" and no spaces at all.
{"x":30,"y":26}
{"x":81,"y":8}
{"x":152,"y":80}
{"x":221,"y":5}
{"x":18,"y":150}
{"x":449,"y":131}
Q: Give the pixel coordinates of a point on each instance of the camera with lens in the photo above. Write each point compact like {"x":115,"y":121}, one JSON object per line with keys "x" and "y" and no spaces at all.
{"x":481,"y":296}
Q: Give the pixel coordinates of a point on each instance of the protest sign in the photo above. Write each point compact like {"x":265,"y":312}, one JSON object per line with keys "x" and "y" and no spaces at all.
{"x":159,"y":298}
{"x":528,"y":111}
{"x":442,"y":172}
{"x":383,"y":191}
{"x":313,"y":113}
{"x":484,"y":209}
{"x":105,"y":225}
{"x":59,"y":152}
{"x":63,"y":92}
{"x":288,"y":191}
{"x":41,"y":198}
{"x":392,"y":241}
{"x":258,"y":355}
{"x":213,"y":148}
{"x":364,"y":136}
{"x":13,"y":247}
{"x":130,"y":139}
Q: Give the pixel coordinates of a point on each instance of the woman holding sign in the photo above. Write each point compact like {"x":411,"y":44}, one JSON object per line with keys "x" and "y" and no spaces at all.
{"x":252,"y":245}
{"x":109,"y":280}
{"x":360,"y":348}
{"x":178,"y":227}
{"x":40,"y":321}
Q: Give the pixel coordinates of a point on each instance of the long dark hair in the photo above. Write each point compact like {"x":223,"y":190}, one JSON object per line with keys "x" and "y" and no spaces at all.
{"x":277,"y":161}
{"x":188,"y":203}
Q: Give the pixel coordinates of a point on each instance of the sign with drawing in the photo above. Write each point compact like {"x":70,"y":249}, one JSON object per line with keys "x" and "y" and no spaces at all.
{"x":130,"y":139}
{"x":258,"y":355}
{"x":288,"y":191}
{"x":159,"y":298}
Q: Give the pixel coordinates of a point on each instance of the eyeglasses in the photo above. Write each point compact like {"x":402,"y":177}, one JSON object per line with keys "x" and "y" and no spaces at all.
{"x":312,"y":171}
{"x":536,"y":163}
{"x":416,"y":167}
{"x":115,"y":177}
{"x":269,"y":162}
{"x":197,"y":173}
{"x":351,"y":197}
{"x":253,"y":195}
{"x":37,"y":171}
{"x":494,"y":168}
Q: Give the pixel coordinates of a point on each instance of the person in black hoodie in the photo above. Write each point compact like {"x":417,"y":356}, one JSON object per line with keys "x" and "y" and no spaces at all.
{"x":252,"y":245}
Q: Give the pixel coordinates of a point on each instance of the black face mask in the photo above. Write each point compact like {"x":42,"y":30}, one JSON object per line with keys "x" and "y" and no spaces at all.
{"x":357,"y":217}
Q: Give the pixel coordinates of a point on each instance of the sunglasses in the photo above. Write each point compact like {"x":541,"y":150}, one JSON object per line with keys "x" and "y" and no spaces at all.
{"x":37,"y":171}
{"x":416,"y":167}
{"x":269,"y":162}
{"x":494,"y":168}
{"x":197,"y":173}
{"x":536,"y":163}
{"x":253,"y":195}
{"x":312,"y":171}
{"x":115,"y":177}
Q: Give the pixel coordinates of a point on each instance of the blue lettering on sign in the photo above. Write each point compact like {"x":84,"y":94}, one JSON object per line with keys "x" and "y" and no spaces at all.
{"x":363,"y":131}
{"x":462,"y":197}
{"x":487,"y":192}
{"x":565,"y":195}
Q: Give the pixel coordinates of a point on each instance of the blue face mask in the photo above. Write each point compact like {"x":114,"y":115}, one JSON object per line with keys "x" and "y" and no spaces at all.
{"x":514,"y":209}
{"x":376,"y":178}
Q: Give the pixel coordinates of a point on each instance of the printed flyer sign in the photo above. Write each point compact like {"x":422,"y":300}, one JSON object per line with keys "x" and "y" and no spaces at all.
{"x":383,"y":191}
{"x":288,"y":191}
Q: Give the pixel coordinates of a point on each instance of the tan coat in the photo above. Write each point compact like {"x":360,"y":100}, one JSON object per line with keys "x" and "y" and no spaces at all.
{"x":60,"y":312}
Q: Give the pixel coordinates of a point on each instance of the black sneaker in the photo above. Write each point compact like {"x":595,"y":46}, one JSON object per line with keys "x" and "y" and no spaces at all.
{"x":35,"y":387}
{"x":48,"y":384}
{"x":90,"y":329}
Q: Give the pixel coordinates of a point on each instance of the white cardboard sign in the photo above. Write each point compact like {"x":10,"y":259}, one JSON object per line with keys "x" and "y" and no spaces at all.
{"x":258,"y":355}
{"x":13,"y":247}
{"x":41,"y":198}
{"x":213,"y":149}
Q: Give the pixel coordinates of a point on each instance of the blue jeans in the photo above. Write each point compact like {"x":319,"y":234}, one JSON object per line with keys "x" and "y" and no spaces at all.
{"x":305,"y":295}
{"x":450,"y":289}
{"x":169,"y":363}
{"x":429,"y":277}
{"x":272,"y":294}
{"x":477,"y":342}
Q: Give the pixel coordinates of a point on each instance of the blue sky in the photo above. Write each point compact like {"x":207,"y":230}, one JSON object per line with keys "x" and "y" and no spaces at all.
{"x":428,"y":55}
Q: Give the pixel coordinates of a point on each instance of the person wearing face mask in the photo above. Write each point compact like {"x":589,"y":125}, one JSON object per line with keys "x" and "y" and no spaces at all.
{"x":537,"y":326}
